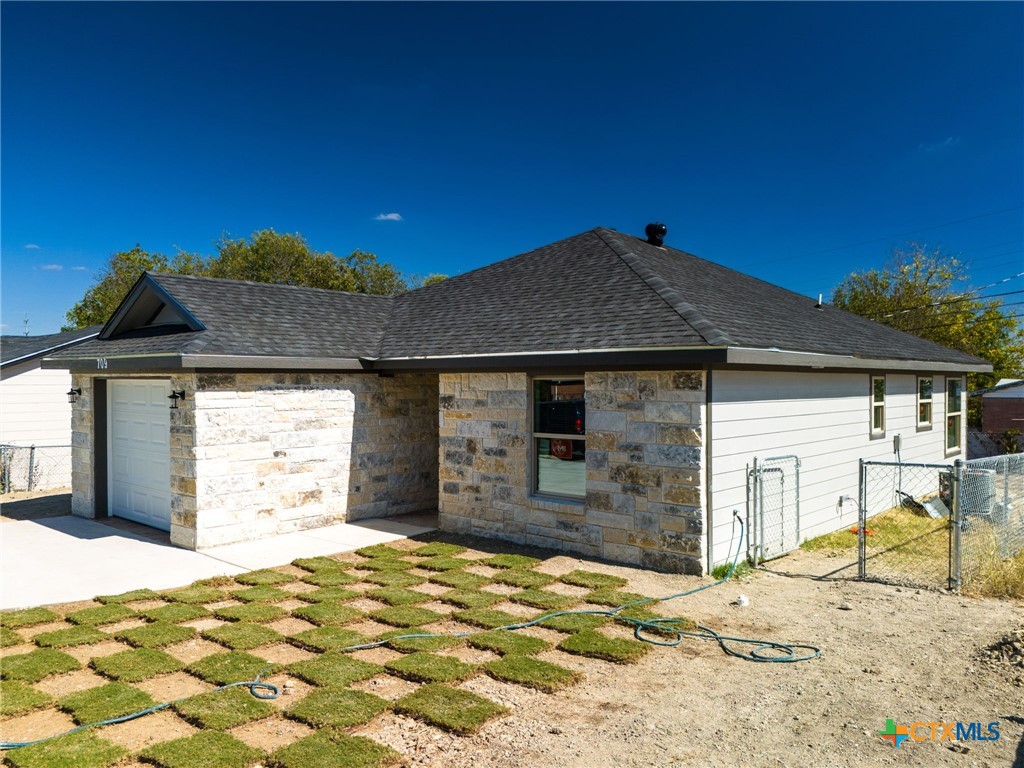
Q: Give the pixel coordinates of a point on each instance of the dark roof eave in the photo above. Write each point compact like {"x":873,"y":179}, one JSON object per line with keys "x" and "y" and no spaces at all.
{"x":790,"y":358}
{"x":176,"y":362}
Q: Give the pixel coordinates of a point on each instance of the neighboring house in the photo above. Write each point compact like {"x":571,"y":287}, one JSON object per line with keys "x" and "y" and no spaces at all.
{"x":34,"y":408}
{"x":1002,"y":406}
{"x":602,"y":395}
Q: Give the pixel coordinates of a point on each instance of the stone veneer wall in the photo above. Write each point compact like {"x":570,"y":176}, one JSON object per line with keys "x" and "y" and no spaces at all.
{"x":253,"y":455}
{"x":643,"y":502}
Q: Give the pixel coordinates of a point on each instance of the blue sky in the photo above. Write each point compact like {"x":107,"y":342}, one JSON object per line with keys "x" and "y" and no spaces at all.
{"x":797,"y":142}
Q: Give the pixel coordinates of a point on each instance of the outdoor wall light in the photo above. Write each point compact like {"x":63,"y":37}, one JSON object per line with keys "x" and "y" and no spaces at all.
{"x":73,"y":394}
{"x":175,"y":396}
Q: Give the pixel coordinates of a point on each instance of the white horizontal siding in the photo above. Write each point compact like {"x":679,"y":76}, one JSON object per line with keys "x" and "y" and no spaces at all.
{"x":34,"y":408}
{"x":824,"y":419}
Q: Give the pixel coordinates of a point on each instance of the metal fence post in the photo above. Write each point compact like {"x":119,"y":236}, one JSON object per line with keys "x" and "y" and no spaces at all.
{"x":757,"y":518}
{"x":862,"y":506}
{"x":31,"y":464}
{"x":956,"y":529}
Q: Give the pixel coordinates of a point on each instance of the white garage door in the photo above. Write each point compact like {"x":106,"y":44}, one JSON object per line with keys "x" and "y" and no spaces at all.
{"x":139,"y":481}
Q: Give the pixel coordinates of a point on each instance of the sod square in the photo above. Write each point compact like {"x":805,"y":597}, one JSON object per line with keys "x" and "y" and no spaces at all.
{"x":443,"y":563}
{"x":130,"y":597}
{"x":266,"y":577}
{"x":156,"y":635}
{"x":423,"y":667}
{"x":332,"y":578}
{"x":242,"y":636}
{"x":521,"y":577}
{"x":261,"y":594}
{"x":533,"y":673}
{"x":375,"y":551}
{"x":223,"y":709}
{"x":33,"y":666}
{"x":510,"y":561}
{"x":256,"y":612}
{"x":598,"y":646}
{"x":488,"y":618}
{"x":508,"y":643}
{"x":9,"y":637}
{"x":398,"y":596}
{"x":230,"y":667}
{"x":17,"y":697}
{"x":393,"y":579}
{"x":405,"y":616}
{"x":105,"y":702}
{"x":450,"y":708}
{"x":210,"y":749}
{"x":314,"y":564}
{"x":334,"y":749}
{"x":471,"y":598}
{"x":195,"y":594}
{"x":331,"y":594}
{"x":79,"y":750}
{"x":330,"y":638}
{"x":540,"y":598}
{"x":386,"y":564}
{"x":459,"y":579}
{"x":328,"y":613}
{"x":102,"y":614}
{"x":338,"y":708}
{"x":574,"y":622}
{"x":136,"y":665}
{"x":438,"y":548}
{"x":174,"y":613}
{"x":27,"y":617}
{"x":405,"y":640}
{"x":62,"y":638}
{"x":613,"y":598}
{"x":592,"y":580}
{"x":334,"y":669}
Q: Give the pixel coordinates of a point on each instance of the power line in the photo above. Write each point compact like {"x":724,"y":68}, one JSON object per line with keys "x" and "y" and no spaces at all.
{"x":965,"y":297}
{"x":947,"y":325}
{"x":887,"y":238}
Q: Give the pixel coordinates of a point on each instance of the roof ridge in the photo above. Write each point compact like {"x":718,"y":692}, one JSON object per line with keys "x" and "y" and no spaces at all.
{"x":689,"y":313}
{"x":236,"y":281}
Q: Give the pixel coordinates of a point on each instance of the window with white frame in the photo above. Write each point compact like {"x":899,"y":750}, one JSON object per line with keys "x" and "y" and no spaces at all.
{"x":954,"y":413}
{"x":878,"y":405}
{"x":924,"y":401}
{"x":559,"y":437}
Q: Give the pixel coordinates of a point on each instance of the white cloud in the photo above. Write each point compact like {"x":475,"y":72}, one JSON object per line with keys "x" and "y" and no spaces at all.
{"x":80,"y":269}
{"x":51,"y":267}
{"x":388,"y":217}
{"x":938,"y":146}
{"x":32,"y":247}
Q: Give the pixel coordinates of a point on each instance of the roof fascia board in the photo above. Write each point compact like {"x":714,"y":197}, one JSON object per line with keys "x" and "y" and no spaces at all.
{"x":639,"y":359}
{"x":267,"y":362}
{"x":123,"y":363}
{"x":145,"y":282}
{"x":790,"y":359}
{"x":48,"y":350}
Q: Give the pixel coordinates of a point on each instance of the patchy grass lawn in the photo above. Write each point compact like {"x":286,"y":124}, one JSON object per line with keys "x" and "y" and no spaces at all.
{"x":263,"y":629}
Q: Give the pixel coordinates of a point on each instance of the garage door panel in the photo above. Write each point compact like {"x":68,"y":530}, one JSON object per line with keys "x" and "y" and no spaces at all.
{"x":140,"y":452}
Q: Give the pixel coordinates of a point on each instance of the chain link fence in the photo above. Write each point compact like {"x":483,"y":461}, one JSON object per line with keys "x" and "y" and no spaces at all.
{"x":34,"y":467}
{"x":773,"y":507}
{"x":941,"y":525}
{"x":984,"y":444}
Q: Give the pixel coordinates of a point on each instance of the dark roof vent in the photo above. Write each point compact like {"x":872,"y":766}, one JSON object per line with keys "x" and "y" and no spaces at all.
{"x":656,"y":232}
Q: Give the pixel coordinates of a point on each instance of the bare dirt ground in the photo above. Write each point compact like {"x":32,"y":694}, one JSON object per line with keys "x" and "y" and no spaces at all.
{"x":887,"y":652}
{"x":35,"y":505}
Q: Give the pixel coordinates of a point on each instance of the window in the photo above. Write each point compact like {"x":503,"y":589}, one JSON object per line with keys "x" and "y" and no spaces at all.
{"x":954,"y":413}
{"x":924,"y":402}
{"x":559,"y":437}
{"x":877,"y":405}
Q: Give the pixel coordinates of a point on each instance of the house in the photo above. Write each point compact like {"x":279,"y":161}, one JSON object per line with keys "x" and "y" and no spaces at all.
{"x":34,"y":410}
{"x":603,"y":395}
{"x":1002,"y":406}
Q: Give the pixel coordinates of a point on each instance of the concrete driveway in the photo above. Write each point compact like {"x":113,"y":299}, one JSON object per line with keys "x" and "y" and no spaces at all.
{"x":47,"y":559}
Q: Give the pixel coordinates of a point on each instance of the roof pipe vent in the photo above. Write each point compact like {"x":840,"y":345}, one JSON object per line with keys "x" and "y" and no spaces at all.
{"x":656,"y":232}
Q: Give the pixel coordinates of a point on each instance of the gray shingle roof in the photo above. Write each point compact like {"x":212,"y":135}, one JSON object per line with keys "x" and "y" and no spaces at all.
{"x":14,"y":348}
{"x":599,"y":290}
{"x":246,"y":318}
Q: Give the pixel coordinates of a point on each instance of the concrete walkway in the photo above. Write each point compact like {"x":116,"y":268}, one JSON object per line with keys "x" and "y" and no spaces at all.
{"x":66,"y":558}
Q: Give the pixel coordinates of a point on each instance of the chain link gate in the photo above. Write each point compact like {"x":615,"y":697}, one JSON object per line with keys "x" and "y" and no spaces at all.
{"x":773,"y":507}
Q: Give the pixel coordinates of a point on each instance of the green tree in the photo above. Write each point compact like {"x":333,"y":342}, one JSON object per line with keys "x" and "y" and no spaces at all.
{"x":265,"y":256}
{"x":915,"y":292}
